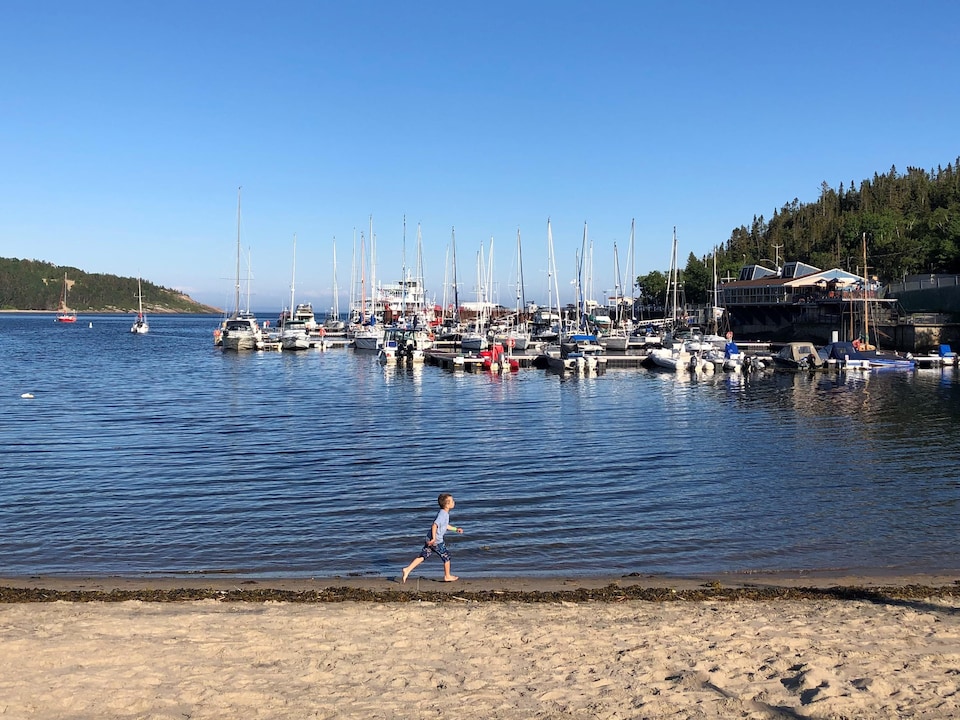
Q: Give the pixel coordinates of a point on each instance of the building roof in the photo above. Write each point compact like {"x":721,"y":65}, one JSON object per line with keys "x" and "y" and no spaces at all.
{"x":840,"y":277}
{"x":821,"y":277}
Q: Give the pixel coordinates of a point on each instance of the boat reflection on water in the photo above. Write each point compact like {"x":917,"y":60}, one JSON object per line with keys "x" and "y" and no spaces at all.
{"x":863,"y":397}
{"x":400,"y":373}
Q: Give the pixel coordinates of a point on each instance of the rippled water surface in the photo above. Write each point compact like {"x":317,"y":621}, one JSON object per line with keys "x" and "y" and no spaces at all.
{"x":160,"y":454}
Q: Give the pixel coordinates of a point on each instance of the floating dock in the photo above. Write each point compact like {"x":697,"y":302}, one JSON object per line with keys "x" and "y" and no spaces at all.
{"x":450,"y":360}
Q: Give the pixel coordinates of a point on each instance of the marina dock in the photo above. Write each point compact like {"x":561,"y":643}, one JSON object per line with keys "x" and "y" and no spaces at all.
{"x":452,"y":360}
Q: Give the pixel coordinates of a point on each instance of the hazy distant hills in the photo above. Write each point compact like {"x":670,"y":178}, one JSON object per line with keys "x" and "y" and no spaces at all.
{"x":36,"y":285}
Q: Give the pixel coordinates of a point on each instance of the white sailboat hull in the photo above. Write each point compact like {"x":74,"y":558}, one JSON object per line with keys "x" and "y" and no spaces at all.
{"x":614,"y":342}
{"x":473,"y":342}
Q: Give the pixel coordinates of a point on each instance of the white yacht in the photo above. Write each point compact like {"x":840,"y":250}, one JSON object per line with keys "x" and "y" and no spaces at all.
{"x":294,"y":335}
{"x":241,"y":332}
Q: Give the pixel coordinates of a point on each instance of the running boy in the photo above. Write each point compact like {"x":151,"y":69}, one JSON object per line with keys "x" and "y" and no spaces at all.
{"x":434,"y":540}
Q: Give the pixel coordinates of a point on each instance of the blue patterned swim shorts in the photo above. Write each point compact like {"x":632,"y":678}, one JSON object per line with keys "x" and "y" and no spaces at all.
{"x":440,"y":549}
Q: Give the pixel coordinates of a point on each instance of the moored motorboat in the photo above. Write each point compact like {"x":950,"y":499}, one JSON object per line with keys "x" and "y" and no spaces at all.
{"x":294,"y":335}
{"x":304,"y":314}
{"x":732,"y":357}
{"x":948,"y":355}
{"x":367,"y":337}
{"x":400,"y":345}
{"x":798,"y":356}
{"x":855,"y":355}
{"x":927,"y":360}
{"x":578,"y":353}
{"x":241,"y":333}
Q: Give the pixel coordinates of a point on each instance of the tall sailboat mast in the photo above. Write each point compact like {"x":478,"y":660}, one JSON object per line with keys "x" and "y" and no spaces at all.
{"x":489,"y":292}
{"x":674,"y":278}
{"x":236,"y":295}
{"x":581,"y":286}
{"x":421,"y":293}
{"x":363,"y":280}
{"x":353,"y":277}
{"x":373,"y":271}
{"x":633,"y":274}
{"x":403,"y":270}
{"x":866,"y":301}
{"x":456,"y":292}
{"x":553,"y":288}
{"x":617,"y":285}
{"x":293,"y":277}
{"x":336,"y":290}
{"x":249,"y":275}
{"x":521,"y":298}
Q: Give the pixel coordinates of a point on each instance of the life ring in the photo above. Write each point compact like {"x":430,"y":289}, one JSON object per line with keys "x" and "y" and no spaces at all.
{"x":321,"y":331}
{"x":511,"y":342}
{"x":431,"y":337}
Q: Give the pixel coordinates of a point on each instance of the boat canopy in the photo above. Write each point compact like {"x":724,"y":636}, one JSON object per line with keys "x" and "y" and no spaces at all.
{"x":800,"y":352}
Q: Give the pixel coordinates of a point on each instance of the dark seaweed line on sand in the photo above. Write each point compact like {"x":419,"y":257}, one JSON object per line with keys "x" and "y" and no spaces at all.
{"x":609,"y":594}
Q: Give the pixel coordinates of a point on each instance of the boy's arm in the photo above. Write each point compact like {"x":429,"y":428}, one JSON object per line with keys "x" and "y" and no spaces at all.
{"x":455,"y":529}
{"x":433,"y":535}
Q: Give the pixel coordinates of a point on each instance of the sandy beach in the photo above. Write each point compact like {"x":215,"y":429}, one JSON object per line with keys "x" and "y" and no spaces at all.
{"x":771,"y":647}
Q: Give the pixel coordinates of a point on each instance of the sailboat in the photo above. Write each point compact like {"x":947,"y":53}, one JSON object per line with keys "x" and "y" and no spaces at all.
{"x":618,"y":337}
{"x":448,"y":327}
{"x":546,"y":323}
{"x":65,"y":314}
{"x":517,"y":336}
{"x":293,"y":332}
{"x":334,"y":325}
{"x":574,"y":351}
{"x":140,"y":325}
{"x":675,"y":355}
{"x":475,"y":339}
{"x":241,"y":330}
{"x":366,"y":333}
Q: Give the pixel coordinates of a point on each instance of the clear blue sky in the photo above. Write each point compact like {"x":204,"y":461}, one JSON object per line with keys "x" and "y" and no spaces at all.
{"x":127,"y":127}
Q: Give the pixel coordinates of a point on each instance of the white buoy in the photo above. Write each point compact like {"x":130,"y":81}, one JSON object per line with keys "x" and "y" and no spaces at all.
{"x":90,"y":325}
{"x":27,"y":396}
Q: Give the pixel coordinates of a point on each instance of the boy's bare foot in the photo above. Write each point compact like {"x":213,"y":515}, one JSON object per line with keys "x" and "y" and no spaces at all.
{"x":405,"y":574}
{"x":451,"y":578}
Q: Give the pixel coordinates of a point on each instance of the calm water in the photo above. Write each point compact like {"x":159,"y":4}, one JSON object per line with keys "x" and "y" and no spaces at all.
{"x":160,"y":454}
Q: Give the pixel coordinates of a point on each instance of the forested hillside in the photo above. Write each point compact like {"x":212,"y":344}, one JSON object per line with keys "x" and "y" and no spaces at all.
{"x":912,"y":222}
{"x":36,"y":285}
